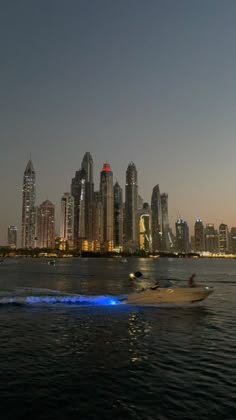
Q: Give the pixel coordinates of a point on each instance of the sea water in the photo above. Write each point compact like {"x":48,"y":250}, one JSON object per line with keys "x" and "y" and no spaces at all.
{"x":105,"y":361}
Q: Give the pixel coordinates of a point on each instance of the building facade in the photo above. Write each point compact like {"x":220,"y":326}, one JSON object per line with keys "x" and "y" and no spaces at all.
{"x":118,"y":217}
{"x":232,"y":240}
{"x":28,"y":207}
{"x":78,"y":193}
{"x":46,"y":225}
{"x":106,"y":194}
{"x":87,"y":166}
{"x":211,"y":239}
{"x":12,"y":236}
{"x":199,"y":239}
{"x":223,"y":238}
{"x":67,"y":220}
{"x":156,"y":219}
{"x":97,"y":222}
{"x":131,"y":207}
{"x":144,"y":222}
{"x":166,"y":238}
{"x":182,"y":236}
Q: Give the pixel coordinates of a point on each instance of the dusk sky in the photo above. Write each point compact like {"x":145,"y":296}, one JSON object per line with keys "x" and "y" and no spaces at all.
{"x":148,"y":81}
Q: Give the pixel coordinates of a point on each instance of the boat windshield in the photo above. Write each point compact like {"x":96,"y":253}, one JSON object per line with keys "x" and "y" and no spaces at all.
{"x":166,"y":283}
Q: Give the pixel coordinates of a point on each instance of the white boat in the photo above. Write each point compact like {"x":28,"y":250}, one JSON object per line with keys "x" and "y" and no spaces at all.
{"x":155,"y":294}
{"x":123,"y":260}
{"x":171,"y":295}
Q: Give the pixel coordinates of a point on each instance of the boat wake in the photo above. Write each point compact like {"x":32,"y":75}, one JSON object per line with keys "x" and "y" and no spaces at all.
{"x":50,"y":297}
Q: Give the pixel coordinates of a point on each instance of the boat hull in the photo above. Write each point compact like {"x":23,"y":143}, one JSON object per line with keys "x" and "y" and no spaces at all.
{"x":169,"y":296}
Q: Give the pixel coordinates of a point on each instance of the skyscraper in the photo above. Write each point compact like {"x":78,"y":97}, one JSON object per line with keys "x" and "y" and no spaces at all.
{"x":223,"y":238}
{"x":118,"y":216}
{"x":156,"y":219}
{"x":12,"y":236}
{"x":166,"y":239}
{"x":211,"y":239}
{"x":97,"y":221}
{"x":106,"y":190}
{"x":232,"y":238}
{"x":144,"y":217}
{"x":131,"y":207}
{"x":87,"y":166}
{"x":199,"y":245}
{"x":182,"y":236}
{"x":67,"y":220}
{"x":28,"y":207}
{"x":78,"y":193}
{"x":46,"y":225}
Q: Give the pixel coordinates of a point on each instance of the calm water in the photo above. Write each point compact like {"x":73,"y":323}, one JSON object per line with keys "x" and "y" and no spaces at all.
{"x":60,"y":361}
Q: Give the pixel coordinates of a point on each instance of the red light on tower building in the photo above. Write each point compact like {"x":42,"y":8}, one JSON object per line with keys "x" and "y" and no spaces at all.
{"x":106,"y":167}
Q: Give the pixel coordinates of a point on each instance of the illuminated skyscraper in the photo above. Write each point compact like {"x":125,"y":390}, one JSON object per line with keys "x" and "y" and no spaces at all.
{"x":199,"y":245}
{"x":78,"y":193}
{"x":67,"y":220}
{"x":182,"y":236}
{"x":106,"y":191}
{"x":46,"y":225}
{"x":211,"y":239}
{"x":166,"y":238}
{"x":156,"y":219}
{"x":131,"y":206}
{"x":144,"y":220}
{"x":28,"y":208}
{"x":223,"y":238}
{"x":12,"y":236}
{"x":118,"y":216}
{"x":87,"y":166}
{"x":232,"y":238}
{"x":97,"y":221}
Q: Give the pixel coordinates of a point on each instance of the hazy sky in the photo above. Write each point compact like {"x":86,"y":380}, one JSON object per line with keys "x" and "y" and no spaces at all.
{"x":148,"y":81}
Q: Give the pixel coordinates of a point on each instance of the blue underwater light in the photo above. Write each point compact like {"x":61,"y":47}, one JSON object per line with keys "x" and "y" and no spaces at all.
{"x":64,"y":299}
{"x":76,"y":300}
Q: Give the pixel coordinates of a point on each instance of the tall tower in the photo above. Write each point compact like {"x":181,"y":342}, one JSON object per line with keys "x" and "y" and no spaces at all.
{"x":28,"y":207}
{"x":156,"y":219}
{"x":118,"y":216}
{"x":232,"y":240}
{"x":131,"y":206}
{"x":78,"y":193}
{"x":12,"y":236}
{"x":166,"y":243}
{"x":199,"y":236}
{"x":144,"y":217}
{"x":223,"y":238}
{"x":182,"y":236}
{"x":106,"y":190}
{"x":46,"y":225}
{"x":211,"y":238}
{"x":67,"y":219}
{"x":97,"y":221}
{"x":87,"y":166}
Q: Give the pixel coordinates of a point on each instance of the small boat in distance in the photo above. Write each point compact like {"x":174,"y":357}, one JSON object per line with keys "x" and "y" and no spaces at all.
{"x":156,"y":294}
{"x":123,"y":260}
{"x":52,"y":262}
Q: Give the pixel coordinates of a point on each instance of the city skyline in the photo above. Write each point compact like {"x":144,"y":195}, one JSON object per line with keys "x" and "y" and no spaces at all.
{"x":153,"y":84}
{"x":78,"y":182}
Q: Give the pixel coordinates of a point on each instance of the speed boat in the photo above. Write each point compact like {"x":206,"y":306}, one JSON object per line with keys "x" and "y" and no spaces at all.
{"x":169,"y":294}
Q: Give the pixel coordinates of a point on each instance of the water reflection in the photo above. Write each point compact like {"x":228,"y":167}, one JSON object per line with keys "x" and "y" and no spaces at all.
{"x":138,"y":330}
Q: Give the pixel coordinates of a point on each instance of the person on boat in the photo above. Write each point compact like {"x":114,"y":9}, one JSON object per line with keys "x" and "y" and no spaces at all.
{"x":191,"y":282}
